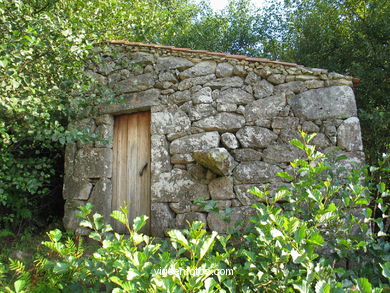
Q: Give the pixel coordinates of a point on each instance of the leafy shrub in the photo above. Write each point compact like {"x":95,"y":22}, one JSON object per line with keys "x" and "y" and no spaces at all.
{"x":314,"y":235}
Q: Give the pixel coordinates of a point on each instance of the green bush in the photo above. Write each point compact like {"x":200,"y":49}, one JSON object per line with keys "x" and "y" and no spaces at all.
{"x":317,"y":234}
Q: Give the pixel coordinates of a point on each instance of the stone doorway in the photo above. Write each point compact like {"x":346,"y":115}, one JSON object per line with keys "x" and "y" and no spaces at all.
{"x":131,"y":166}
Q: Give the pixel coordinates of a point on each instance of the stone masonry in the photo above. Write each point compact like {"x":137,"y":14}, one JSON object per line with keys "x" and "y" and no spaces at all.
{"x":219,"y":125}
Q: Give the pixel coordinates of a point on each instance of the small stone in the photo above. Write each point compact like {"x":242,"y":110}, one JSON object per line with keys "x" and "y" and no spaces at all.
{"x":224,"y":70}
{"x":282,"y":153}
{"x":256,"y":172}
{"x":239,"y":70}
{"x":276,"y":78}
{"x":309,"y":126}
{"x":201,"y":111}
{"x":221,"y":122}
{"x":217,"y":160}
{"x":226,"y":82}
{"x":252,"y":78}
{"x":162,"y":219}
{"x":222,"y":188}
{"x":203,"y":96}
{"x":246,"y":155}
{"x":182,"y":159}
{"x":235,"y":96}
{"x":181,"y":207}
{"x":255,"y":137}
{"x":285,"y":122}
{"x":295,"y":87}
{"x":314,"y":84}
{"x":262,"y":89}
{"x":229,"y":140}
{"x":228,"y":107}
{"x":193,"y":81}
{"x":182,"y":220}
{"x":179,"y":97}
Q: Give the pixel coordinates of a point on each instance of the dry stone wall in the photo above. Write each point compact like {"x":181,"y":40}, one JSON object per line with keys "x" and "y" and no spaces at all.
{"x":219,"y":125}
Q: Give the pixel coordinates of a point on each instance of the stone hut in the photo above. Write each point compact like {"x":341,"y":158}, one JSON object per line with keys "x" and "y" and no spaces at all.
{"x":193,"y":125}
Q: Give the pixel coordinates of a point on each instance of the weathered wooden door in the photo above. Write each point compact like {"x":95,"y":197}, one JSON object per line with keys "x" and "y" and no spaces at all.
{"x":131,"y":166}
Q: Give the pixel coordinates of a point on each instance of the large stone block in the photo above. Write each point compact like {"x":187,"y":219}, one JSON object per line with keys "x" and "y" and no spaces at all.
{"x":221,"y":122}
{"x":162,"y":219}
{"x":69,"y":158}
{"x":325,"y":103}
{"x":199,"y":69}
{"x":177,"y":185}
{"x":222,"y":188}
{"x":195,"y":142}
{"x":217,"y":160}
{"x":135,"y":83}
{"x":93,"y":163}
{"x":200,"y":111}
{"x":203,"y":96}
{"x":171,"y":120}
{"x":256,"y":172}
{"x":349,"y":135}
{"x":105,"y":133}
{"x":265,"y":108}
{"x":235,"y":96}
{"x":168,"y":63}
{"x":255,"y":137}
{"x":70,"y":220}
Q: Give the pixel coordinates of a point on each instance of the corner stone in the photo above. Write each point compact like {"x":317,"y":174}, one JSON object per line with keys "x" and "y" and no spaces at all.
{"x":349,"y":135}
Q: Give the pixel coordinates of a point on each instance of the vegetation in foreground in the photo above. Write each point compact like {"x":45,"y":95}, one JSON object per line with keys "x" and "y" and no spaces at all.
{"x":316,"y":234}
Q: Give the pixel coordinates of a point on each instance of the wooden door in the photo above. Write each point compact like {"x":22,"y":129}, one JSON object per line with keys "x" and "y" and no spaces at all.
{"x":131,"y":166}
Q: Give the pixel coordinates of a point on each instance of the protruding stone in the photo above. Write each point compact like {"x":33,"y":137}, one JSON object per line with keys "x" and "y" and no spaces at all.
{"x":195,"y":142}
{"x":217,"y":160}
{"x":221,"y":122}
{"x":162,"y":219}
{"x":255,"y":137}
{"x":224,"y":70}
{"x":349,"y":135}
{"x":325,"y":103}
{"x":176,"y":186}
{"x":262,"y":89}
{"x":168,"y":63}
{"x":235,"y":96}
{"x":265,"y":108}
{"x":256,"y":172}
{"x":182,"y":220}
{"x":221,"y":188}
{"x":199,"y":69}
{"x":229,"y":140}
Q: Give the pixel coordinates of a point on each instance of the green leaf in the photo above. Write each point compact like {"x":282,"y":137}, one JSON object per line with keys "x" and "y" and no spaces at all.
{"x":386,"y":270}
{"x":60,"y":268}
{"x":207,"y":244}
{"x":20,"y":285}
{"x":177,"y":236}
{"x":316,"y":239}
{"x":285,"y":175}
{"x":86,"y":224}
{"x":297,"y":143}
{"x":119,"y":216}
{"x":139,"y":222}
{"x":300,"y":234}
{"x":276,"y":233}
{"x":322,"y":287}
{"x":364,"y":285}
